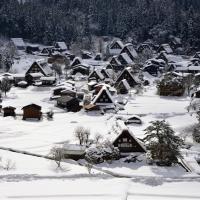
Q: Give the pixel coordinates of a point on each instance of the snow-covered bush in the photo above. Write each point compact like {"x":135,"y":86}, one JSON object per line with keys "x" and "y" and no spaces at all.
{"x":102,"y":153}
{"x":171,"y":86}
{"x":50,"y":114}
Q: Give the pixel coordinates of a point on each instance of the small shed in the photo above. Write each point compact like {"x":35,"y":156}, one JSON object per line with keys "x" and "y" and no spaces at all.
{"x":74,"y":151}
{"x":9,"y":111}
{"x":32,"y":111}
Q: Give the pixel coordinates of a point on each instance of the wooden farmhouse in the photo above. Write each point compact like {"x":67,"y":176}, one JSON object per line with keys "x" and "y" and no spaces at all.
{"x":103,"y":98}
{"x":60,"y":46}
{"x":128,"y":143}
{"x":47,"y":51}
{"x":40,"y":67}
{"x":127,"y":74}
{"x":106,"y":73}
{"x":32,"y":111}
{"x":69,"y":102}
{"x":80,"y":69}
{"x":96,"y":75}
{"x":123,"y":87}
{"x":130,"y":51}
{"x":115,"y":47}
{"x":165,"y":48}
{"x":9,"y":111}
{"x":124,"y":59}
{"x":143,"y":47}
{"x":18,"y":43}
{"x":76,"y":61}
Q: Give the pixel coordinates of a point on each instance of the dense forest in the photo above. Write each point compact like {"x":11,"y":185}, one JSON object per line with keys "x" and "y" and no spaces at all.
{"x":70,"y":20}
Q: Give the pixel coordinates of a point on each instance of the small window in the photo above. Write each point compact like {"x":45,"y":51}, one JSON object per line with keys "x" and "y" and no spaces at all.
{"x":124,"y":139}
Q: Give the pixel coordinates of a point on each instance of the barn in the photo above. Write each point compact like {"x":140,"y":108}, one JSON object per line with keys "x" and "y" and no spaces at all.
{"x":9,"y":111}
{"x":32,"y":111}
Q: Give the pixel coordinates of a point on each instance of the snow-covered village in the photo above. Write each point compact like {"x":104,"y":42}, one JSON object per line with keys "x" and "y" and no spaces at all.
{"x":99,"y":115}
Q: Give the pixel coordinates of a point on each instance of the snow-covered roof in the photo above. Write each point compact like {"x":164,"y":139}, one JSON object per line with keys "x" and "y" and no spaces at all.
{"x":48,"y":78}
{"x":74,"y":149}
{"x":128,"y":69}
{"x":18,"y":42}
{"x":188,"y":68}
{"x":62,"y":45}
{"x":104,"y":88}
{"x":36,"y":74}
{"x":131,"y":50}
{"x":99,"y":74}
{"x":19,"y":75}
{"x":76,"y":58}
{"x":119,"y":42}
{"x":167,"y":48}
{"x":123,"y":127}
{"x":126,"y":57}
{"x":115,"y":58}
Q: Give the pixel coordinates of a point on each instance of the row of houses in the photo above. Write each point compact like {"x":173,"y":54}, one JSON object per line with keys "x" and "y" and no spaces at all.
{"x":19,"y":44}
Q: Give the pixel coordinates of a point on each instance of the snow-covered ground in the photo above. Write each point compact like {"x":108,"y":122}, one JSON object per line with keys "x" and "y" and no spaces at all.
{"x":37,"y":178}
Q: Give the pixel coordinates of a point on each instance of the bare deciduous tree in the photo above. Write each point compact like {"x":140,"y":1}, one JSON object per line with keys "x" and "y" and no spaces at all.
{"x":82,"y":135}
{"x":97,"y":138}
{"x":57,"y":154}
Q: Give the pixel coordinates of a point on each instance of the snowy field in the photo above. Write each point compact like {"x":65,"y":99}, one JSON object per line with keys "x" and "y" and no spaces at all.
{"x":37,"y":178}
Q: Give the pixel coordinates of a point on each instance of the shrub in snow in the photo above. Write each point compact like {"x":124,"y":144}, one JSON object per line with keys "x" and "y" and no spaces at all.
{"x":102,"y":153}
{"x":50,"y":114}
{"x":7,"y":164}
{"x":171,"y":86}
{"x":133,"y":158}
{"x":57,"y":154}
{"x":162,"y":143}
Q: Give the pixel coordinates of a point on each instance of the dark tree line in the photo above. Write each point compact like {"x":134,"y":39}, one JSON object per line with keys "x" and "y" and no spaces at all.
{"x":70,"y":20}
